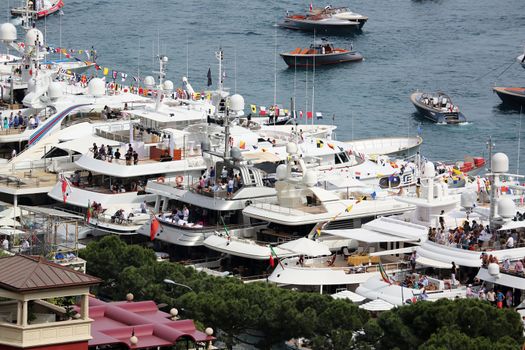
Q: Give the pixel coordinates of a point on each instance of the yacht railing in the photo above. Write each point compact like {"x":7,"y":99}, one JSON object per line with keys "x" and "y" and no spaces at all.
{"x":324,"y":262}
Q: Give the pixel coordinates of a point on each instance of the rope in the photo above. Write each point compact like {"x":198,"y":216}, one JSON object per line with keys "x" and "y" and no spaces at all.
{"x":492,"y":70}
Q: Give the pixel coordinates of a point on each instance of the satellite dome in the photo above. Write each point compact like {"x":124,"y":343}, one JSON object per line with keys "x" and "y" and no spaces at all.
{"x":309,"y":178}
{"x":291,"y":148}
{"x":34,"y":37}
{"x":97,"y":87}
{"x":506,"y":207}
{"x":54,"y":90}
{"x":164,"y":58}
{"x":493,"y":269}
{"x":7,"y":32}
{"x":237,"y":103}
{"x":149,"y":81}
{"x":500,"y":163}
{"x":428,"y":170}
{"x":281,"y":172}
{"x":236,"y":154}
{"x":468,"y":200}
{"x":168,"y":85}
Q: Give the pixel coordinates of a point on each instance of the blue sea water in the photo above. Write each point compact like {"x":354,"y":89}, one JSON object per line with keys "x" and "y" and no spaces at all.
{"x":457,"y":46}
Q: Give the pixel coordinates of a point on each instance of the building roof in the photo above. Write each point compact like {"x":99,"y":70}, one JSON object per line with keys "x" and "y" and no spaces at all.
{"x":24,"y":273}
{"x":114,"y":323}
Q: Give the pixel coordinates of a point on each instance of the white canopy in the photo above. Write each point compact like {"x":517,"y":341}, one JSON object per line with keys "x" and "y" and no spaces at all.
{"x":9,"y":222}
{"x":433,"y":263}
{"x":503,"y":279}
{"x":394,"y":251}
{"x":243,"y":248}
{"x":8,"y":231}
{"x":512,"y":225}
{"x":377,"y":305}
{"x":368,"y":236}
{"x":306,"y":246}
{"x":346,"y":294}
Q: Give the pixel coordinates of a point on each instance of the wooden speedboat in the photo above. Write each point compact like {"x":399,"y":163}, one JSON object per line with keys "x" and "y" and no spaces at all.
{"x":326,"y":20}
{"x":513,"y":96}
{"x":437,"y":107}
{"x":320,"y":53}
{"x":38,"y":8}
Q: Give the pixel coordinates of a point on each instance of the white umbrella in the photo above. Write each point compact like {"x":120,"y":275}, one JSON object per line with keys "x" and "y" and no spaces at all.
{"x":377,"y":305}
{"x":9,"y":222}
{"x":306,"y":246}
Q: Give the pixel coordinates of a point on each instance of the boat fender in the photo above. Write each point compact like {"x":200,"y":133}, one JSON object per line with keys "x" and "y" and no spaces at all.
{"x":179,"y":179}
{"x":248,"y":203}
{"x":160,"y":179}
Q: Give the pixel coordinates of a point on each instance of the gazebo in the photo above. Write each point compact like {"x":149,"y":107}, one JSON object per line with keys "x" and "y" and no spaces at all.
{"x":27,"y":319}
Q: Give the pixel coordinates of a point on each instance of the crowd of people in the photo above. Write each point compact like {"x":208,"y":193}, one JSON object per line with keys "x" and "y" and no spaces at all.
{"x":228,"y":180}
{"x":467,"y":236}
{"x":107,"y":153}
{"x":19,"y":121}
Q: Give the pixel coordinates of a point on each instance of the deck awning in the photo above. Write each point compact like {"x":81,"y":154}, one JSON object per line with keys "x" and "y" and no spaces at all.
{"x":503,"y":279}
{"x":346,"y":294}
{"x":406,"y":250}
{"x":368,"y":236}
{"x":433,"y":263}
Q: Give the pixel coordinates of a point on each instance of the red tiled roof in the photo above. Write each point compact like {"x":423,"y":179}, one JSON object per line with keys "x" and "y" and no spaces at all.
{"x":23,"y":273}
{"x":113,"y":323}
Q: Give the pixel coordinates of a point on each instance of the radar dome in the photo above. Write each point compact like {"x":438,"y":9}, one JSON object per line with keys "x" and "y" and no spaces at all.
{"x":291,"y":148}
{"x":281,"y":172}
{"x":164,"y":58}
{"x":493,"y":269}
{"x":428,"y":170}
{"x":34,"y":37}
{"x":500,"y":163}
{"x":237,"y":103}
{"x":149,"y":81}
{"x":7,"y":32}
{"x":236,"y":154}
{"x":97,"y":87}
{"x":468,"y":200}
{"x":309,"y":178}
{"x":54,"y":90}
{"x":168,"y":85}
{"x":506,"y":207}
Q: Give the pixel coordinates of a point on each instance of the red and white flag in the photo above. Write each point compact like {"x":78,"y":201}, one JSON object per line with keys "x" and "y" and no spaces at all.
{"x":311,"y":7}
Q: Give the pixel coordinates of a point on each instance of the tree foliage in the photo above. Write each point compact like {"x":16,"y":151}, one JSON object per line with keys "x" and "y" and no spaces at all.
{"x":278,"y":314}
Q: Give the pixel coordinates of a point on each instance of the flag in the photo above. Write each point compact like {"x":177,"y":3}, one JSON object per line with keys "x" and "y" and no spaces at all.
{"x":209,"y":77}
{"x":311,"y":7}
{"x":300,"y":114}
{"x":65,"y":186}
{"x":106,"y":71}
{"x":309,"y":115}
{"x":242,"y":144}
{"x":319,"y":115}
{"x":135,"y":79}
{"x":276,"y":111}
{"x":320,"y":143}
{"x":330,"y":145}
{"x":154,"y":228}
{"x":124,"y":76}
{"x":274,"y":256}
{"x":114,"y":74}
{"x":383,"y":273}
{"x":253,"y":108}
{"x":349,"y":208}
{"x":262,"y":110}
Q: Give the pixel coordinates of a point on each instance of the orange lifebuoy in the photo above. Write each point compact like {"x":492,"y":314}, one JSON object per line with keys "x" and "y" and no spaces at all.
{"x":160,"y":179}
{"x":179,"y":179}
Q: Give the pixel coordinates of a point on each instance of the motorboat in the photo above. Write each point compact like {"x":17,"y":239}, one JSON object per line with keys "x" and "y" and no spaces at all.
{"x":437,"y":107}
{"x":37,"y":8}
{"x":324,"y":21}
{"x":521,"y":59}
{"x":512,"y":96}
{"x":320,"y":53}
{"x":398,"y":147}
{"x":341,"y":13}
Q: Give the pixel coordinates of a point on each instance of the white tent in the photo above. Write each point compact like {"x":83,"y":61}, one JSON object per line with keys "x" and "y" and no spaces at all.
{"x":346,"y":294}
{"x":306,"y":246}
{"x":9,"y":222}
{"x":8,"y":231}
{"x":377,"y":305}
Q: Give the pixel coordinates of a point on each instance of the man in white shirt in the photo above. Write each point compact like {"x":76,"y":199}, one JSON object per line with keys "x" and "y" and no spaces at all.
{"x":5,"y":244}
{"x":510,"y":242}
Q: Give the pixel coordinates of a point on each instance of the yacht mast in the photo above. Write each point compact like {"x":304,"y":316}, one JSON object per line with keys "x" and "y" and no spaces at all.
{"x":492,"y":179}
{"x":313,"y":84}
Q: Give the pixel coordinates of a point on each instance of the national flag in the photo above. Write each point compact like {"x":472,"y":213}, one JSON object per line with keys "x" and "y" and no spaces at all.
{"x":273,"y":257}
{"x":209,"y":77}
{"x":384,"y":275}
{"x":114,"y":74}
{"x":357,"y":175}
{"x":253,"y":108}
{"x":311,"y":7}
{"x":154,"y":228}
{"x":300,"y":114}
{"x":106,"y":71}
{"x":64,"y":187}
{"x":309,"y":115}
{"x":262,"y":110}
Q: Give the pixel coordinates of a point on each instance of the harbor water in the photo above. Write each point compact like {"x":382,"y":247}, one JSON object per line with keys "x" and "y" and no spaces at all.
{"x":460,"y":47}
